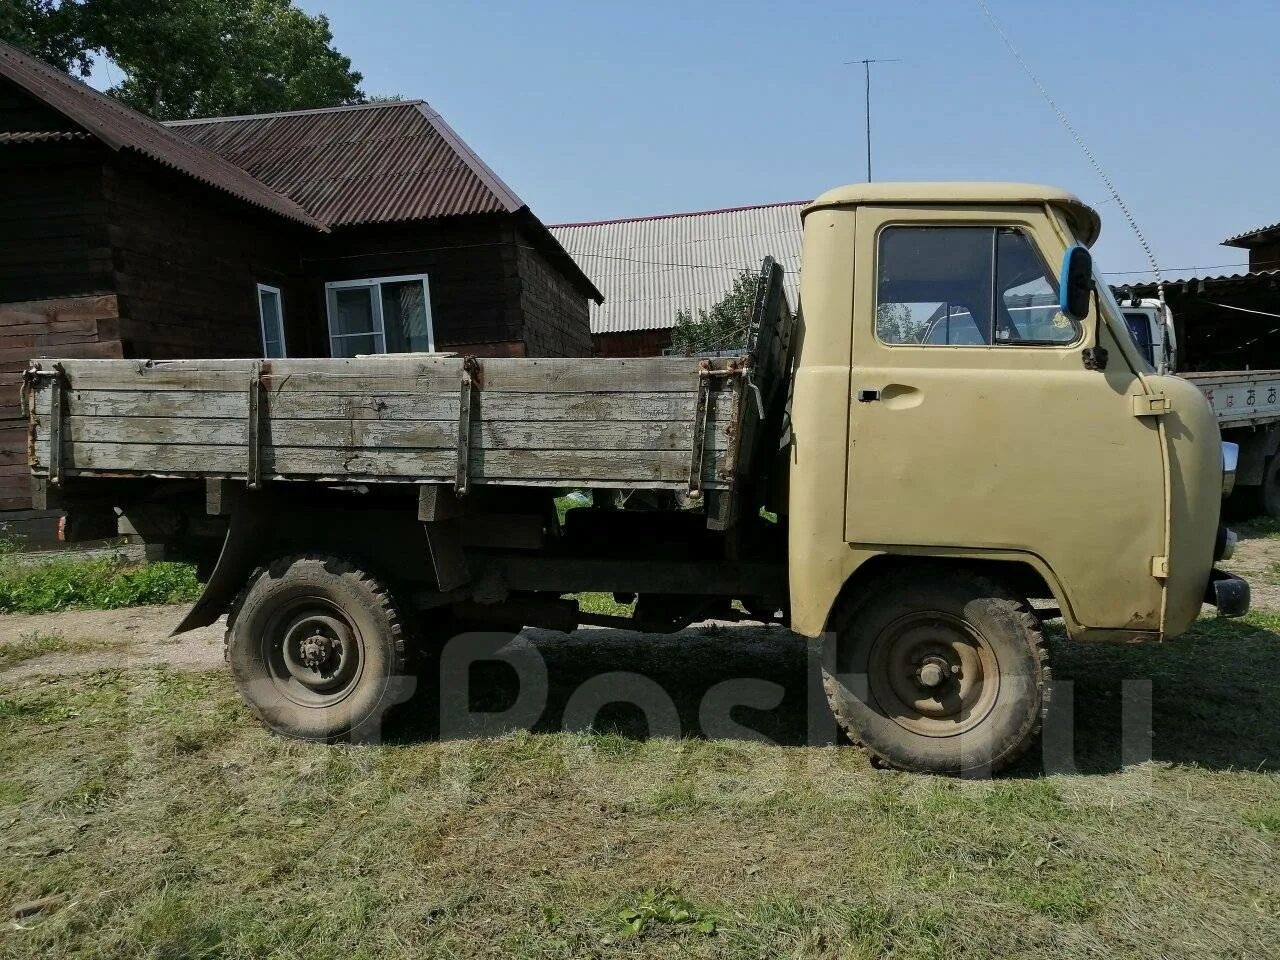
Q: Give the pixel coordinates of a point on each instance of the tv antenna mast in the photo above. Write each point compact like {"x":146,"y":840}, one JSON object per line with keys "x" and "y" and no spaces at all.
{"x":866,"y":70}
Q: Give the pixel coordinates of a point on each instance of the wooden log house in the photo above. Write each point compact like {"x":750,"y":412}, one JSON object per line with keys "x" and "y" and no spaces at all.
{"x":322,"y":233}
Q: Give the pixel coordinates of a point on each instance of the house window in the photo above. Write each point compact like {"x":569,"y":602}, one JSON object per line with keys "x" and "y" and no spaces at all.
{"x":381,"y":315}
{"x":271,"y":317}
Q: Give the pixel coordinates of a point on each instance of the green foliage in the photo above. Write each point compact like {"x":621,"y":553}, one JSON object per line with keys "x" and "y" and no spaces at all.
{"x":655,"y":908}
{"x":46,"y":28}
{"x":724,"y":327}
{"x":100,"y":584}
{"x":191,"y":58}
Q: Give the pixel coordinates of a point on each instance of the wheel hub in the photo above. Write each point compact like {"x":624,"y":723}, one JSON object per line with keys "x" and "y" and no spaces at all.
{"x":315,"y":653}
{"x":933,"y":674}
{"x":934,"y":671}
{"x":315,"y":650}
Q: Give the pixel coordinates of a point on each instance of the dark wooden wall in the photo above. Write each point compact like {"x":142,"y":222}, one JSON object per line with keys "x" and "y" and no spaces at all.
{"x":187,"y":262}
{"x":53,"y":222}
{"x":631,"y":343}
{"x":470,"y":263}
{"x":553,"y":310}
{"x":82,"y":327}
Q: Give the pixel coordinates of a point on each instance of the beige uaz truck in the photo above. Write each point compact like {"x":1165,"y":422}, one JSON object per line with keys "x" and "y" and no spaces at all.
{"x":956,"y":423}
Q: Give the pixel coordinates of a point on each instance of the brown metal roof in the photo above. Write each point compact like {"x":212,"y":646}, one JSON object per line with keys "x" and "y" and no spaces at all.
{"x":338,"y":166}
{"x":41,"y":136}
{"x":124,"y":129}
{"x":373,"y":163}
{"x":1252,"y":237}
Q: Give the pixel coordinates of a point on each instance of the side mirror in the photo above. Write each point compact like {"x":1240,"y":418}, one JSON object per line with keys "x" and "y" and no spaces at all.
{"x":1075,"y":283}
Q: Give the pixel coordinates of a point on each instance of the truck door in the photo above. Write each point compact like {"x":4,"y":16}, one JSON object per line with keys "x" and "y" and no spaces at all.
{"x":974,"y":425}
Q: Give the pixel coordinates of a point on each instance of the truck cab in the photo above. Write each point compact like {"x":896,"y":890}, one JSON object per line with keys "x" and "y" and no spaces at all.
{"x":953,"y":418}
{"x":1150,"y":324}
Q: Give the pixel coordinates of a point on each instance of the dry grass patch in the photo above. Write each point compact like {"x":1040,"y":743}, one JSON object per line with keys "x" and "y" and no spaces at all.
{"x":175,"y":827}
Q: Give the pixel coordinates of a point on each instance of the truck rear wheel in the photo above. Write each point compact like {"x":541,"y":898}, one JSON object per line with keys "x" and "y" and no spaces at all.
{"x":938,"y":670}
{"x":316,"y":649}
{"x":1268,"y":496}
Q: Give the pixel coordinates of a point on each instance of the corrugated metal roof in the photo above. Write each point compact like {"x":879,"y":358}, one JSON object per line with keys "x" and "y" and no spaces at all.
{"x":373,"y":163}
{"x":41,"y":136}
{"x":650,"y":268}
{"x":1265,"y":278}
{"x":1243,"y":239}
{"x":122,"y":128}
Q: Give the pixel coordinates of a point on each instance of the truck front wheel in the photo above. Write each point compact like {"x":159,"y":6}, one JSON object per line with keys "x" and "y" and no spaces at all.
{"x":316,"y":649}
{"x":938,"y":670}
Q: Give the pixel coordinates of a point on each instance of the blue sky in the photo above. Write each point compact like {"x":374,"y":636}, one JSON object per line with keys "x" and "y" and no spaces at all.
{"x":594,"y":110}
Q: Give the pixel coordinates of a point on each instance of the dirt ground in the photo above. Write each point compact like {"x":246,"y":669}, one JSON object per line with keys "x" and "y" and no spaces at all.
{"x":136,"y":636}
{"x":139,"y":636}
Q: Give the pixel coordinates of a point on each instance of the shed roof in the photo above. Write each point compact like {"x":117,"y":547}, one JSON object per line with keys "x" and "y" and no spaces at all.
{"x":1254,"y":280}
{"x":1251,"y":238}
{"x":651,"y":267}
{"x":371,"y":163}
{"x":375,"y":163}
{"x":121,"y":128}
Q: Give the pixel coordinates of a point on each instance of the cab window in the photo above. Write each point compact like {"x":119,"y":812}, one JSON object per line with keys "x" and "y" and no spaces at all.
{"x":966,"y":286}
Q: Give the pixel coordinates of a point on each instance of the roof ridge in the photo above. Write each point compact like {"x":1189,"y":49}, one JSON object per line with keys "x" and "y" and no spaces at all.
{"x":1232,"y":241}
{"x":120,"y":126}
{"x":380,"y":104}
{"x":672,"y":216}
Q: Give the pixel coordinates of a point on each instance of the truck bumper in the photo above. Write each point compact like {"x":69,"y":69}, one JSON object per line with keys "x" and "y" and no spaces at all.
{"x":1228,"y":593}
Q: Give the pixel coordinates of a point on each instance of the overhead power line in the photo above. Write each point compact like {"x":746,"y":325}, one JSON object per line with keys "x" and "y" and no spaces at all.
{"x":1084,"y":147}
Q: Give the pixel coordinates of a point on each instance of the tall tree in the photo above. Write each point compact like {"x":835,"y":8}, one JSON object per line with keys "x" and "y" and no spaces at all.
{"x":190,"y":58}
{"x":47,"y":28}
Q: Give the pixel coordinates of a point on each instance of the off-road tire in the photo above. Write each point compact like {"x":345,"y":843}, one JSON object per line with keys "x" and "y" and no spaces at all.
{"x":283,"y":592}
{"x":944,"y":599}
{"x":1267,"y":495}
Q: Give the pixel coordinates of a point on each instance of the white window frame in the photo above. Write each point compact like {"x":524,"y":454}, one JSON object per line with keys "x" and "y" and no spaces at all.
{"x":262,"y":321}
{"x":379,"y":332}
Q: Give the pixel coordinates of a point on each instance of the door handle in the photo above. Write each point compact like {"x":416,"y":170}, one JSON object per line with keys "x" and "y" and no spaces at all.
{"x":868,"y":396}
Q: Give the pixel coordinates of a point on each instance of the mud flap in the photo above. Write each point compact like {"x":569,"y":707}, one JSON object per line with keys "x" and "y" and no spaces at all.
{"x":240,"y":552}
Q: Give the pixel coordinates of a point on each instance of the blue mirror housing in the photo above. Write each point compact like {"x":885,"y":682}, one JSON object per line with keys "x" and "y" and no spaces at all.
{"x":1075,"y":282}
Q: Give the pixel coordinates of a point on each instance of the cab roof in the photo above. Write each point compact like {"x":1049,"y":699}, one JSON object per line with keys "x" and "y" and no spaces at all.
{"x":1084,"y":219}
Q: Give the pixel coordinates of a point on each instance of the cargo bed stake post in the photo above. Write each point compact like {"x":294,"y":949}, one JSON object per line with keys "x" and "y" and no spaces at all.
{"x":57,"y":378}
{"x":699,"y":428}
{"x":471,"y":375}
{"x":707,"y":375}
{"x":253,"y":469}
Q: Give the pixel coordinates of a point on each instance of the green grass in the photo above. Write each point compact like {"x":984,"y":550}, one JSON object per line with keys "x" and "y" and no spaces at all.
{"x":602,"y":603}
{"x":175,"y":826}
{"x":100,"y":583}
{"x":1268,"y":527}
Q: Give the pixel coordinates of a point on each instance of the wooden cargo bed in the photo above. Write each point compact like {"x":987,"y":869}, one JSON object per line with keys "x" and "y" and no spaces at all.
{"x":663,"y":423}
{"x":589,"y":422}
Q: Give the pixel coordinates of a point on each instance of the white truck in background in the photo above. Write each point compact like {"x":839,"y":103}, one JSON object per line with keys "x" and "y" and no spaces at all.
{"x":1245,"y":402}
